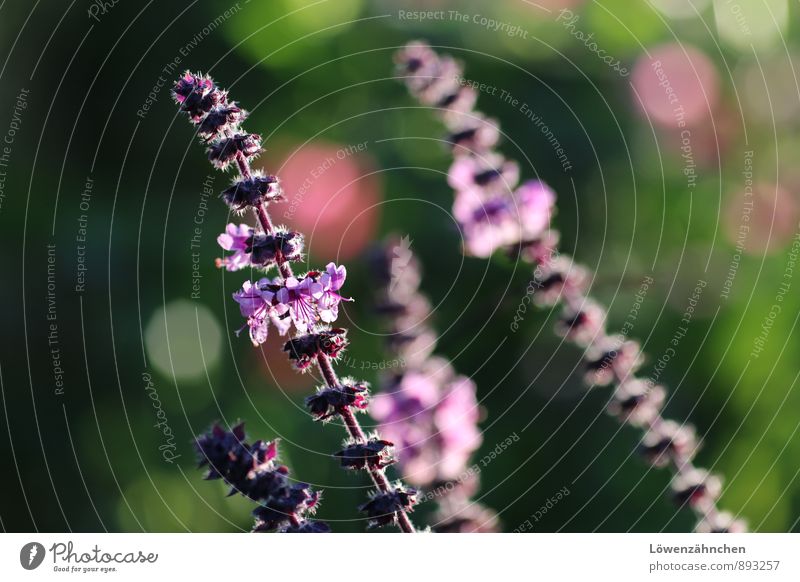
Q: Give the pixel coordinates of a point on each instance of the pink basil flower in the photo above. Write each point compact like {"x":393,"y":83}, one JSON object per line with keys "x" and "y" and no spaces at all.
{"x":256,"y":303}
{"x":328,"y":301}
{"x":235,"y":238}
{"x":299,"y":296}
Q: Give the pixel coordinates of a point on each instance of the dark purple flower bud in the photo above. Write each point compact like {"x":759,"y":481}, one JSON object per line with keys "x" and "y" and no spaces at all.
{"x":304,"y":350}
{"x":220,"y":449}
{"x":558,"y":279}
{"x":266,"y":249}
{"x":252,"y":191}
{"x":696,"y":488}
{"x":637,"y":402}
{"x":223,"y":152}
{"x":197,"y":95}
{"x":283,"y":504}
{"x":666,"y":441}
{"x":611,"y":358}
{"x":220,"y":118}
{"x":459,"y":100}
{"x":374,"y":454}
{"x":476,"y":134}
{"x":307,"y":526}
{"x":264,"y":484}
{"x":383,"y":507}
{"x":328,"y":402}
{"x":582,"y":324}
{"x":190,"y":84}
{"x":248,"y":464}
{"x":490,"y":172}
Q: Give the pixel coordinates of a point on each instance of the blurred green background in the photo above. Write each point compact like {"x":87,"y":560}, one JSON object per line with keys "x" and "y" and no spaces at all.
{"x":318,"y":80}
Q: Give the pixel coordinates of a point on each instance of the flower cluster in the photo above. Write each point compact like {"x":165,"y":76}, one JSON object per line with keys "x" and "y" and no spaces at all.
{"x":484,"y":198}
{"x":305,"y":303}
{"x":252,"y":470}
{"x":429,"y":411}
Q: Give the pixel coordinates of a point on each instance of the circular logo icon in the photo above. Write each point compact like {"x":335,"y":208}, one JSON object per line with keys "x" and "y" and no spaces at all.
{"x":31,"y":555}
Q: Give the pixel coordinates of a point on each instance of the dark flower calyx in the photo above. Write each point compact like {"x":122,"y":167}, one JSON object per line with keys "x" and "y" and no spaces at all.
{"x":252,"y":191}
{"x":458,"y":137}
{"x":233,"y":460}
{"x":328,"y":402}
{"x":487,"y":176}
{"x":451,"y":98}
{"x":197,"y":95}
{"x":224,"y":151}
{"x":283,"y":504}
{"x":374,"y":454}
{"x":219,"y":448}
{"x":220,"y":118}
{"x":382,"y":509}
{"x":304,"y":350}
{"x":265,"y":249}
{"x":190,"y":83}
{"x":264,"y":484}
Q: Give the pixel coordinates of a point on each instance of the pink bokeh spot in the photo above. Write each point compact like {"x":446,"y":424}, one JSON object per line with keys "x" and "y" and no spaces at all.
{"x":677,"y":82}
{"x":771,"y":214}
{"x":330,"y":198}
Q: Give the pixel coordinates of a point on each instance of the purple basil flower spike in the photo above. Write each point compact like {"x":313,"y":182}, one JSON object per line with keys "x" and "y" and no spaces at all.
{"x":492,"y":218}
{"x":235,"y":238}
{"x":429,"y":411}
{"x":307,"y":302}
